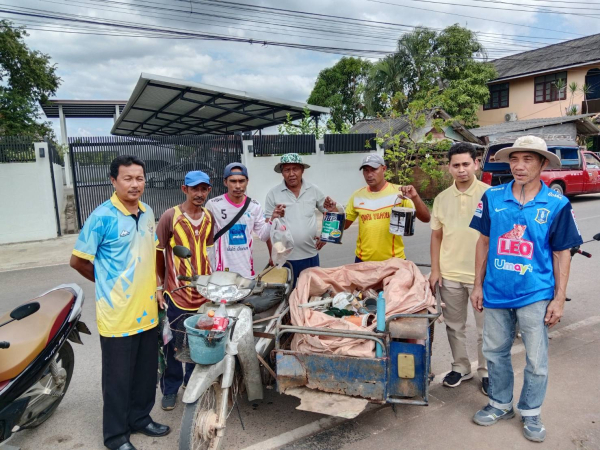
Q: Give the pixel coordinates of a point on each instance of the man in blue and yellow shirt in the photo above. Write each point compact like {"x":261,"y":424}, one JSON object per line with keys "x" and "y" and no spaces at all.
{"x":522,"y":263}
{"x":116,"y":250}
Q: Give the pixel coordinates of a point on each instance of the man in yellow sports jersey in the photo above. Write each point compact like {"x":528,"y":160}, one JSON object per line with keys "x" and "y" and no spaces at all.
{"x":372,"y":205}
{"x":116,"y":251}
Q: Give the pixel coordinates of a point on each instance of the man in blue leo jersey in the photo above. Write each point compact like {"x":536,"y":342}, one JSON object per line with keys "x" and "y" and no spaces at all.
{"x":522,"y":263}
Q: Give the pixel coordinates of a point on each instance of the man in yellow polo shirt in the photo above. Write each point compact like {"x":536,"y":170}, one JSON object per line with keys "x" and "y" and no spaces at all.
{"x":453,"y":259}
{"x":372,"y":205}
{"x":116,"y":250}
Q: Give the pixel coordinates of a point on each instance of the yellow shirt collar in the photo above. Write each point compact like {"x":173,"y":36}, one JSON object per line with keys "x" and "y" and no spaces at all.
{"x":470,"y":191}
{"x":117,"y":203}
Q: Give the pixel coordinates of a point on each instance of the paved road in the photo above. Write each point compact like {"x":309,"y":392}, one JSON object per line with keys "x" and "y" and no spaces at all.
{"x":78,"y":421}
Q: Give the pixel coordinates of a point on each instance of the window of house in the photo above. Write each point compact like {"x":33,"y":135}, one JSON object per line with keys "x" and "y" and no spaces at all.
{"x":498,"y":97}
{"x":546,"y":90}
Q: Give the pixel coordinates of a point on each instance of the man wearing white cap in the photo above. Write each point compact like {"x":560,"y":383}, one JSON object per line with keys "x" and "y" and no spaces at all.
{"x":522,"y":264}
{"x":372,"y":206}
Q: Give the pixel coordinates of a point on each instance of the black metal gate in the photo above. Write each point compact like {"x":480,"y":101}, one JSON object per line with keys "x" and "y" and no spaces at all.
{"x":167,"y":158}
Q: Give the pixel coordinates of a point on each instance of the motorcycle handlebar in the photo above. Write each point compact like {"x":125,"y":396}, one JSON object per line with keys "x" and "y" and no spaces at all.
{"x":4,"y":344}
{"x":586,"y":254}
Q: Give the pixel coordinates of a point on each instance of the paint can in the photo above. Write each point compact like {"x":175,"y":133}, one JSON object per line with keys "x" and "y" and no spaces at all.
{"x":402,"y":220}
{"x":333,"y":227}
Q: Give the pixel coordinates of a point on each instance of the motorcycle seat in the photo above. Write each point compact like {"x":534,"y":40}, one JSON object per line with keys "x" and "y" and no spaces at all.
{"x":30,"y":335}
{"x":278,"y":275}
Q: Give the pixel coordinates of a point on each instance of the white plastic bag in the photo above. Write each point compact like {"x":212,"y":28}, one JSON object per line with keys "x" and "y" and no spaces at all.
{"x":282,"y":243}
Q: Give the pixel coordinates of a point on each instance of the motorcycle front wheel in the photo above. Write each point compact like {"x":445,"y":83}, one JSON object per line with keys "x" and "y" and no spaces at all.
{"x":200,"y":421}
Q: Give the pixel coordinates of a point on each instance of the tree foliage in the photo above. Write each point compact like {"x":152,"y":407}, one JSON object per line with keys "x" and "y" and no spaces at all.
{"x":426,"y":63}
{"x":308,"y":125}
{"x":410,"y":148}
{"x":26,"y":78}
{"x":341,"y":88}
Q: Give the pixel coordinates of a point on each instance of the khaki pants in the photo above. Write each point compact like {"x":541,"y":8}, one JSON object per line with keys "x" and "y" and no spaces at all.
{"x":457,"y":304}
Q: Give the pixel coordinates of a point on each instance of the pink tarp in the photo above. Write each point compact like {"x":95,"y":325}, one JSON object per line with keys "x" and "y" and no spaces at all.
{"x":405,"y":289}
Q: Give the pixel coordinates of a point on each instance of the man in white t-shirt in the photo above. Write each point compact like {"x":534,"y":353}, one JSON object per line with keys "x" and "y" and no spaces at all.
{"x":233,"y":248}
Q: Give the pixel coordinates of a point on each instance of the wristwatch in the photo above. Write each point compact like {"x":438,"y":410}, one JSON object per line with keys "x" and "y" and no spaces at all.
{"x":160,"y":288}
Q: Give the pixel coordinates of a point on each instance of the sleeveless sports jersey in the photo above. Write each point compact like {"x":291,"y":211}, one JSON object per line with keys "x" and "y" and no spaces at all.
{"x":233,"y":250}
{"x":174,"y":228}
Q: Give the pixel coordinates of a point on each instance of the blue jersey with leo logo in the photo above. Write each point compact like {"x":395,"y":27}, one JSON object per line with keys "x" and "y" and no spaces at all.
{"x":519,"y":267}
{"x":122,"y":247}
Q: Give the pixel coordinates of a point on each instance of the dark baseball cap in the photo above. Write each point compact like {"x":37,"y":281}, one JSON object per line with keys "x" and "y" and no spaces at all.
{"x":230,"y":167}
{"x":373,"y":160}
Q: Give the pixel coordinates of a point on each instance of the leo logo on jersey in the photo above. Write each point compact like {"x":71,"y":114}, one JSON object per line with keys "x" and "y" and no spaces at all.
{"x":512,"y":243}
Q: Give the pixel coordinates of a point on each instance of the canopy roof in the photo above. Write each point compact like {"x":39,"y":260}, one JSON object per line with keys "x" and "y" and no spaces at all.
{"x":168,"y":106}
{"x":83,"y":108}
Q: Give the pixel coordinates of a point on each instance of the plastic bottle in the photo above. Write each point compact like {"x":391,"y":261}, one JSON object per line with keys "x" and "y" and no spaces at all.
{"x":206,"y":322}
{"x":380,"y":321}
{"x":221,"y":319}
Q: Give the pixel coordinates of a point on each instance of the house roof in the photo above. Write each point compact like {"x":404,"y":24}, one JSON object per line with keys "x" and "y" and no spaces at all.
{"x":582,"y":51}
{"x":168,"y":106}
{"x":393,"y":126}
{"x":585,"y":126}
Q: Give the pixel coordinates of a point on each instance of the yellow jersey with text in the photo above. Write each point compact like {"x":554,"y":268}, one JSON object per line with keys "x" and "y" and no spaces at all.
{"x":373,"y":210}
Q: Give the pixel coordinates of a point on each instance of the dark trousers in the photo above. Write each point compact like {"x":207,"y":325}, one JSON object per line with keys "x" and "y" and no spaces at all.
{"x":357,"y":259}
{"x":129,"y":367}
{"x":173,"y":376}
{"x":300,"y":264}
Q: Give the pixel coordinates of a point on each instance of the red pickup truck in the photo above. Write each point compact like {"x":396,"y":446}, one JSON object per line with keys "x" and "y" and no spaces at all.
{"x":580,"y":172}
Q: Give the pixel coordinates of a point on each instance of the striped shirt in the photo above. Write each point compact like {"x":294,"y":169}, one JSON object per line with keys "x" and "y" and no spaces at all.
{"x":174,"y":228}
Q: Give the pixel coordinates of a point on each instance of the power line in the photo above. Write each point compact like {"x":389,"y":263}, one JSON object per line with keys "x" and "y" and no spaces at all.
{"x":475,"y":17}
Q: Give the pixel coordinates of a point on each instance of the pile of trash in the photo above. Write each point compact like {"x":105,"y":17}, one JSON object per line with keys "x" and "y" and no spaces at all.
{"x":345,"y":298}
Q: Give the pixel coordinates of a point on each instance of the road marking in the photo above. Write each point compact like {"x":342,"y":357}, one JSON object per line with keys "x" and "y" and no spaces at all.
{"x":329,"y":422}
{"x":579,"y":219}
{"x":32,"y":267}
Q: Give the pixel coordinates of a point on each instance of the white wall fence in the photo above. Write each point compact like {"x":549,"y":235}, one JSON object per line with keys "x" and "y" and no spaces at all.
{"x":336,"y":174}
{"x":27,"y":198}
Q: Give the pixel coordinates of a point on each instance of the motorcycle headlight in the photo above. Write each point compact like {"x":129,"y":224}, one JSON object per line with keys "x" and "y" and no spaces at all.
{"x":230,"y":292}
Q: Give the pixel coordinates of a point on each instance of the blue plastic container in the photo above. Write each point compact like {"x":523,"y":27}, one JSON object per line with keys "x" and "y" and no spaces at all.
{"x":202,"y":349}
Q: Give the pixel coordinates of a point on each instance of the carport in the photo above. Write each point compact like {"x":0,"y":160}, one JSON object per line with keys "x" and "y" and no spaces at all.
{"x":169,"y":106}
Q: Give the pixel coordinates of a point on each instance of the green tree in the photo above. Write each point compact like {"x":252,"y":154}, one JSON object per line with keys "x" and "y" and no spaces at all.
{"x":341,"y":88}
{"x":429,"y":63}
{"x":26,"y":78}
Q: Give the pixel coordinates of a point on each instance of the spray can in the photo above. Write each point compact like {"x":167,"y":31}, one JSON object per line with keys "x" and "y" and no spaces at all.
{"x":333,"y":226}
{"x":380,"y":321}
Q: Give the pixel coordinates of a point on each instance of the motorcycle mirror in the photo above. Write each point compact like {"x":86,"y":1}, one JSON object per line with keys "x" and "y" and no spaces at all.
{"x":182,"y":252}
{"x":24,"y":310}
{"x":597,"y":237}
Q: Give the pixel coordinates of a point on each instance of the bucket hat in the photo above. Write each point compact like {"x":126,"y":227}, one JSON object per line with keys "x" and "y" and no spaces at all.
{"x":290,"y":158}
{"x":531,"y":144}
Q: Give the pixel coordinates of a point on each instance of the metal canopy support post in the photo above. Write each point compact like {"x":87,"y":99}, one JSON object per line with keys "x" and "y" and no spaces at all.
{"x":64,"y":140}
{"x":117,"y":113}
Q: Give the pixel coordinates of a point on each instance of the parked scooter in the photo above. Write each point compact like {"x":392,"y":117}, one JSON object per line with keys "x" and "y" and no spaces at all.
{"x":36,"y":360}
{"x":254,"y":307}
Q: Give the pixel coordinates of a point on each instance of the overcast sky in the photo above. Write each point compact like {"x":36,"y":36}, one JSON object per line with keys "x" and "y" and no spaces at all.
{"x":108,"y":67}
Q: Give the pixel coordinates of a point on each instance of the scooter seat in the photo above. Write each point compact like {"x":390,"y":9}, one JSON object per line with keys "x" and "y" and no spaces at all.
{"x":30,"y":335}
{"x":278,"y":275}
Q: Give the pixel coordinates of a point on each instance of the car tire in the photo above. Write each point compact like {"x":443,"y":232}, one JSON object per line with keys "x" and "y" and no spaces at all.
{"x":558,"y":188}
